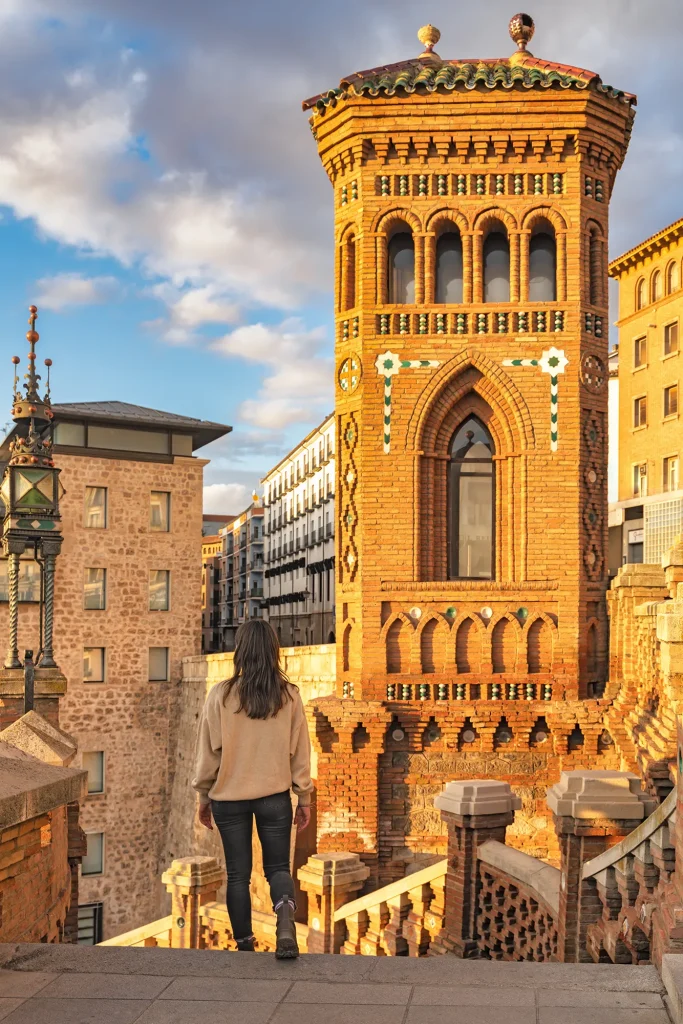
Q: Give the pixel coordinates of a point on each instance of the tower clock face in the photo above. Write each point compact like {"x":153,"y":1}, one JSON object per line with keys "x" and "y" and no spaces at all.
{"x":349,"y":373}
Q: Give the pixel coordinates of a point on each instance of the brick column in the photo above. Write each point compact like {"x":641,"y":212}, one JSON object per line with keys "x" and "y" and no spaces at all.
{"x":330,"y":879}
{"x":474,"y":812}
{"x":593,"y":811}
{"x":192,"y":882}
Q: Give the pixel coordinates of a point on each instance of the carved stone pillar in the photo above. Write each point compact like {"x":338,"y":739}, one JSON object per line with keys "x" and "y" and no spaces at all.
{"x":12,"y":659}
{"x":330,"y":879}
{"x":192,"y":882}
{"x":593,"y":811}
{"x":474,"y":812}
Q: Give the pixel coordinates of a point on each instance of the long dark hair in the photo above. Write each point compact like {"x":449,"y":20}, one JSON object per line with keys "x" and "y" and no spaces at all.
{"x":262,"y":686}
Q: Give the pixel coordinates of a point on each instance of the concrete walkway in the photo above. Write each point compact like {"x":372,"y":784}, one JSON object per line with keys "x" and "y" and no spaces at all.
{"x":42,"y":984}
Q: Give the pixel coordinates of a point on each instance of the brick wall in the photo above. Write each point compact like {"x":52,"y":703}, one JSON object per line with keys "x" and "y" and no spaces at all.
{"x":35,"y":879}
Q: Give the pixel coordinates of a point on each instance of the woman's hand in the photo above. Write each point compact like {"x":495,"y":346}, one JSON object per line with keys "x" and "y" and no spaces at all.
{"x":302,"y":818}
{"x":204,"y":815}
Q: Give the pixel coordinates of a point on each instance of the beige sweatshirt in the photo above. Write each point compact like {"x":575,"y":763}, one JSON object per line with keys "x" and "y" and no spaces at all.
{"x":241,"y":758}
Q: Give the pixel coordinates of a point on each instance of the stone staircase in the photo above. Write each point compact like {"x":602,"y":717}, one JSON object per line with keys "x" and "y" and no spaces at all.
{"x":68,"y":984}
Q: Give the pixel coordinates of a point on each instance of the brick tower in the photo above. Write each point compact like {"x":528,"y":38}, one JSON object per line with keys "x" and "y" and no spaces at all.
{"x":471,"y":204}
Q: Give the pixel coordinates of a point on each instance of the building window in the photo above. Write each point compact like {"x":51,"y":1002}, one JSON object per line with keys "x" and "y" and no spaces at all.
{"x":95,"y":517}
{"x":497,"y":266}
{"x":93,"y":862}
{"x":640,"y":480}
{"x":401,"y":267}
{"x":159,"y":588}
{"x":672,"y":278}
{"x":670,"y":474}
{"x":471,"y":498}
{"x":29,"y":580}
{"x":90,"y":931}
{"x":94,"y":664}
{"x":160,"y":511}
{"x":640,"y":352}
{"x":349,"y":273}
{"x":158,"y":664}
{"x":71,"y":435}
{"x":93,"y":764}
{"x":95,"y":589}
{"x":671,"y":338}
{"x":542,"y":264}
{"x":640,"y":411}
{"x":640,"y":294}
{"x":594,"y":268}
{"x":656,"y":286}
{"x":449,"y":267}
{"x":671,"y":400}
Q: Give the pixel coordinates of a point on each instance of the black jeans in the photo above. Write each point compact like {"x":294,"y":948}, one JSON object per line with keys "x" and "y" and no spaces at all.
{"x":234,"y":820}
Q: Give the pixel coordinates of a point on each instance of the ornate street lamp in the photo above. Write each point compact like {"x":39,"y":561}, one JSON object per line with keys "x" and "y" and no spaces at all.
{"x":30,"y":491}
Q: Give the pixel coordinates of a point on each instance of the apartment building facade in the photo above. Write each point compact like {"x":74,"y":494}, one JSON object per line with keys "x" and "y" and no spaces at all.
{"x":127,"y":611}
{"x":648,"y":514}
{"x":241,"y":572}
{"x":300,"y":541}
{"x":212,"y":547}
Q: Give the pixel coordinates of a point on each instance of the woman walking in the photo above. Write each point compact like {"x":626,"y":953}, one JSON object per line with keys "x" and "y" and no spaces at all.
{"x":252,"y":748}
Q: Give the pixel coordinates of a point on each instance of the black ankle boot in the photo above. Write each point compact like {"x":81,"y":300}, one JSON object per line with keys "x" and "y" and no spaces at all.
{"x":246,"y":945}
{"x":286,"y":947}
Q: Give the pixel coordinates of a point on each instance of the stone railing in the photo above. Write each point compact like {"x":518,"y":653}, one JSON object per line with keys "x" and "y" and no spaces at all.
{"x":216,"y":933}
{"x":156,"y":933}
{"x":634,"y":883}
{"x":401,"y":919}
{"x":518,"y":905}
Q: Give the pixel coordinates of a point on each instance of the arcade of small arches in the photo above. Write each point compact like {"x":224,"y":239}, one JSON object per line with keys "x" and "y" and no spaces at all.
{"x":448,"y":261}
{"x":511,"y":731}
{"x":659,"y":284}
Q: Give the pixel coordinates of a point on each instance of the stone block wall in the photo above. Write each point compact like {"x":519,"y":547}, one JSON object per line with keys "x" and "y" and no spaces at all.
{"x":35,"y":879}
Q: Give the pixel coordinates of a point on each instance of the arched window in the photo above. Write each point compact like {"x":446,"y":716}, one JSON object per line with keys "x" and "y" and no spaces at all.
{"x":449,"y":267}
{"x":349,"y":273}
{"x":542,"y":264}
{"x":594,"y":268}
{"x":496,"y":265}
{"x":672,"y":278}
{"x":401,"y":280}
{"x":640,"y":294}
{"x":656,"y":286}
{"x":471,"y":502}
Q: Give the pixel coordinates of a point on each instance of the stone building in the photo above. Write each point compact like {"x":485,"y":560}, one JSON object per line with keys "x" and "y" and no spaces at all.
{"x":127,"y":611}
{"x":648,"y":516}
{"x":299,"y":528}
{"x":471,"y":213}
{"x":241,"y":572}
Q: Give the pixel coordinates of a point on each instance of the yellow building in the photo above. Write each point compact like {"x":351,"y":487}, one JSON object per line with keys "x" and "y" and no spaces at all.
{"x":650,"y":499}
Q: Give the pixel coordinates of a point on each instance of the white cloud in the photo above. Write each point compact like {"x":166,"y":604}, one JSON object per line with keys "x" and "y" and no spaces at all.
{"x":66,"y":290}
{"x":190,"y":309}
{"x":298,"y":385}
{"x":230,"y":499}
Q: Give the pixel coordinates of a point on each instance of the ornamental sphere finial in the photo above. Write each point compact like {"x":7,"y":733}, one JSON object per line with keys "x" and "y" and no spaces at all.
{"x":521,"y":29}
{"x":429,"y":37}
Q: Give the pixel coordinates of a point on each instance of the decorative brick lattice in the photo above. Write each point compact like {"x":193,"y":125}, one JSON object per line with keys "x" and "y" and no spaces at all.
{"x":513,"y":923}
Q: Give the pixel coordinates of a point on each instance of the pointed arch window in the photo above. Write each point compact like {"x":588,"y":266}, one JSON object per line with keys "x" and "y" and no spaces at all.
{"x":594,"y":268}
{"x":449,"y":267}
{"x":349,"y":273}
{"x":497,"y":265}
{"x":542,"y":264}
{"x":401,"y":277}
{"x":471,"y":502}
{"x":672,"y":278}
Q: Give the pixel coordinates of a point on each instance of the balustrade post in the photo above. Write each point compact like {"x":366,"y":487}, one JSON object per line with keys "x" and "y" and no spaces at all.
{"x":192,"y":882}
{"x":474,"y":812}
{"x":330,"y":879}
{"x":593,"y":811}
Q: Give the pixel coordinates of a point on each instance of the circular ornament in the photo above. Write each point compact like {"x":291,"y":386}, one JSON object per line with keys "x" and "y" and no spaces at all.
{"x":415,"y":613}
{"x":486,"y":612}
{"x":468,"y":736}
{"x":593,"y":373}
{"x":349,"y":373}
{"x":397,"y":735}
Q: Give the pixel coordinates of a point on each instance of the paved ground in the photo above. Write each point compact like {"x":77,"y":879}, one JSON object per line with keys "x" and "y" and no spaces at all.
{"x":104,"y":985}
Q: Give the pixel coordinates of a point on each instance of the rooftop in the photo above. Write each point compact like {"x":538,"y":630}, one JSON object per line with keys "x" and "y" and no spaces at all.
{"x":430,"y":73}
{"x":53,"y":984}
{"x":120,"y":413}
{"x":639,"y":253}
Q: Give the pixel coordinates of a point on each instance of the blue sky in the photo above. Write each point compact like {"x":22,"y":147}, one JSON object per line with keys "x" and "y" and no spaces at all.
{"x":161,"y":198}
